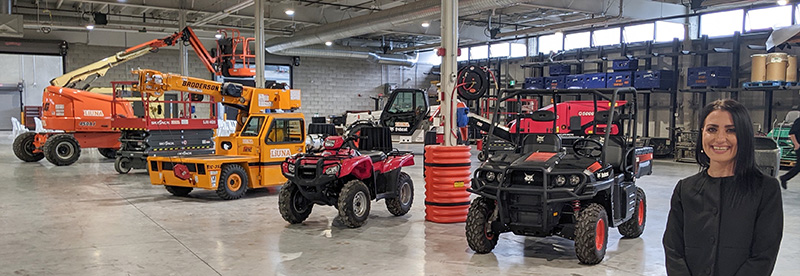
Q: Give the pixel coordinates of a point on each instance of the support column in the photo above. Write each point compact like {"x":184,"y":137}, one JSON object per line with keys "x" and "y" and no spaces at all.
{"x":260,"y":46}
{"x":184,"y":56}
{"x":449,"y":70}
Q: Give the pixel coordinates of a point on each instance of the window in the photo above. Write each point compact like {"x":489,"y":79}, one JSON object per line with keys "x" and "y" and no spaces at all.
{"x":551,"y":43}
{"x":286,"y":131}
{"x":499,"y":50}
{"x":464,"y":55}
{"x":577,"y":40}
{"x":606,"y":37}
{"x":253,"y":126}
{"x":403,"y":102}
{"x":721,"y":23}
{"x":518,"y":50}
{"x":764,"y":19}
{"x":479,"y":52}
{"x":639,"y":33}
{"x":666,"y":31}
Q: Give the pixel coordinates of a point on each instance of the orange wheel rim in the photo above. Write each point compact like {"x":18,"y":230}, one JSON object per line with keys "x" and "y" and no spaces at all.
{"x":234,"y":182}
{"x":641,"y":212}
{"x":600,"y":234}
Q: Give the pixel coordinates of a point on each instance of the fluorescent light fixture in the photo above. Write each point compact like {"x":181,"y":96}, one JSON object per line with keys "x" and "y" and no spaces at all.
{"x":328,"y":43}
{"x":783,"y":2}
{"x":426,"y":24}
{"x":90,"y":27}
{"x":289,"y":12}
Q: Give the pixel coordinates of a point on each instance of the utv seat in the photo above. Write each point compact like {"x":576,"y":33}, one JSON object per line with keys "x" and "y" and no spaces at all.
{"x":615,"y":151}
{"x":545,"y":142}
{"x":375,"y":142}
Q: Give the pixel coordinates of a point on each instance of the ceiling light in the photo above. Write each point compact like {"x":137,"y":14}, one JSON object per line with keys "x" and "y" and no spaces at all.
{"x":90,"y":27}
{"x":218,"y":36}
{"x":328,"y":43}
{"x":783,"y":2}
{"x":289,"y":12}
{"x":426,"y":24}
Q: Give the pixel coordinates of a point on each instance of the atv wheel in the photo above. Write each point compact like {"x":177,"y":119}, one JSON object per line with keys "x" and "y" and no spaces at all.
{"x":354,"y":203}
{"x":178,"y":190}
{"x":591,"y":234}
{"x":294,"y":207}
{"x":24,"y":147}
{"x":122,"y":165}
{"x":62,"y":149}
{"x":634,"y":227}
{"x":108,"y":152}
{"x":480,"y":236}
{"x":400,"y":205}
{"x":233,"y":182}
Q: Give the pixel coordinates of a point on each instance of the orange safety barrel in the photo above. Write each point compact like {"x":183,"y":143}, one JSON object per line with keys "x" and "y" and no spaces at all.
{"x":447,"y":178}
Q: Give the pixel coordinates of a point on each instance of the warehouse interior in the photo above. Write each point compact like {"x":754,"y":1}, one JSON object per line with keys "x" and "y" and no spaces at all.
{"x":85,"y":184}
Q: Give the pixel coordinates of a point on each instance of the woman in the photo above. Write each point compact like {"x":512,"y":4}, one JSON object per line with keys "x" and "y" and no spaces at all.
{"x":728,"y":218}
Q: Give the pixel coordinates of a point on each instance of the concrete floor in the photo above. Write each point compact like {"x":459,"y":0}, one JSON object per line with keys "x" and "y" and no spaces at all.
{"x":85,"y":219}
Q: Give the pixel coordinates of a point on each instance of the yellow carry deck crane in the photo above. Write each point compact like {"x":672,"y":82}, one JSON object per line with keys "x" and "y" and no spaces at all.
{"x":248,"y":158}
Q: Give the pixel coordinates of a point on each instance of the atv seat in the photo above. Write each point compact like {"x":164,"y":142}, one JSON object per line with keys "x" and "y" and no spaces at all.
{"x":375,"y":155}
{"x":546,"y":142}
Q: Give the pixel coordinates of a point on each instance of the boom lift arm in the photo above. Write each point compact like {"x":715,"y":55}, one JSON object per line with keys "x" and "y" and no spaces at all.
{"x":100,"y":68}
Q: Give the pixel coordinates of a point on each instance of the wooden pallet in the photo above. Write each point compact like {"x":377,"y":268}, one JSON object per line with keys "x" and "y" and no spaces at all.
{"x":788,"y":163}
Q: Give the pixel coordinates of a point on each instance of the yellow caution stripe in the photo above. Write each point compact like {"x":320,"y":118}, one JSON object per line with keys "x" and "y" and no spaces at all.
{"x":183,"y":148}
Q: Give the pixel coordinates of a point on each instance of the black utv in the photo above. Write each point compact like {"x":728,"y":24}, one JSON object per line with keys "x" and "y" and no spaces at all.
{"x":574,"y":185}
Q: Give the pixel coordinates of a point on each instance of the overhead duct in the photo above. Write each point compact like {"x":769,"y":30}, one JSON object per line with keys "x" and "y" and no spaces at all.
{"x":386,"y":59}
{"x":380,"y":21}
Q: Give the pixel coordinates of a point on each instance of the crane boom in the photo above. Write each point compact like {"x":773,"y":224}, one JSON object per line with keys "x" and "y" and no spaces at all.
{"x":251,"y":99}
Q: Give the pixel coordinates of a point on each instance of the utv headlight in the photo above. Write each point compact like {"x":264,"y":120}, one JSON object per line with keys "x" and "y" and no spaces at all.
{"x":500,"y":177}
{"x":332,"y":170}
{"x":574,"y":179}
{"x":559,"y":180}
{"x":290,"y":168}
{"x":490,"y":176}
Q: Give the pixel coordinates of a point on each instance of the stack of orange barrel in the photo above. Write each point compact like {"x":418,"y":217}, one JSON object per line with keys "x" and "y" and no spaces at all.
{"x":447,"y":178}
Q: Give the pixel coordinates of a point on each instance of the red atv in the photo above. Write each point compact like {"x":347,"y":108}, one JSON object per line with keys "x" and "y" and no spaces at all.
{"x":348,"y":177}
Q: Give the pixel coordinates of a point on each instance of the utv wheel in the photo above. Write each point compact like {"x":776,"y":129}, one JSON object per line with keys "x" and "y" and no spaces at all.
{"x":24,"y":147}
{"x":591,"y":234}
{"x":233,"y":182}
{"x":178,"y":190}
{"x":354,"y":203}
{"x":480,"y":236}
{"x":400,"y":205}
{"x":122,"y":165}
{"x":294,"y":207}
{"x":62,"y":149}
{"x":108,"y":152}
{"x":481,"y":156}
{"x":634,"y":227}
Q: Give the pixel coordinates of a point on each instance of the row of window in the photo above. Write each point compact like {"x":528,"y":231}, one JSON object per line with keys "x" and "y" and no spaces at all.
{"x":717,"y":24}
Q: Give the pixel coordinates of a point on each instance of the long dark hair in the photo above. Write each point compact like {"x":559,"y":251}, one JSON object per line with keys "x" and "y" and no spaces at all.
{"x":746,"y":173}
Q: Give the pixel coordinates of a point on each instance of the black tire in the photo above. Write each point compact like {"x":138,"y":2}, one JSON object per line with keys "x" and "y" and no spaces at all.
{"x":354,"y":203}
{"x":591,"y":234}
{"x":108,"y":152}
{"x":401,"y":204}
{"x":294,"y":207}
{"x":634,"y":227}
{"x":481,"y":156}
{"x":62,"y":149}
{"x":479,"y":235}
{"x":233,"y":182}
{"x":24,"y":147}
{"x":178,"y":190}
{"x":122,"y":165}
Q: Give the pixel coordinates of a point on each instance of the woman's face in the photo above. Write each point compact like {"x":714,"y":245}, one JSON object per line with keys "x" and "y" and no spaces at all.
{"x":719,"y":137}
